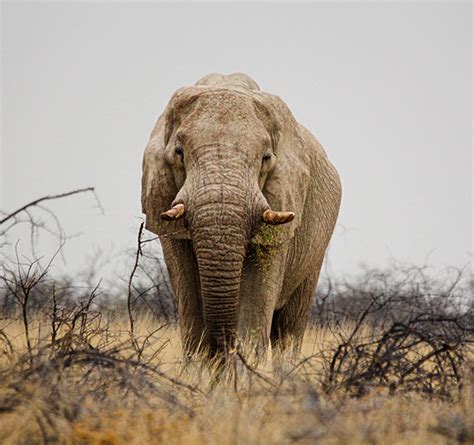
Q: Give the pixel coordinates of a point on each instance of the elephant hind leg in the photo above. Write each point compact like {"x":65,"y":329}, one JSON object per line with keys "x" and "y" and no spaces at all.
{"x":289,"y":322}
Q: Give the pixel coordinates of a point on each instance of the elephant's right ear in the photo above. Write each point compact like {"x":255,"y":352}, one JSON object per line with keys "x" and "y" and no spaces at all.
{"x":159,"y":187}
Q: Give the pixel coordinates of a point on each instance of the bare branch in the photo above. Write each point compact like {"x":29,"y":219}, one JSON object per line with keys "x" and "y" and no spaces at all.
{"x":45,"y":198}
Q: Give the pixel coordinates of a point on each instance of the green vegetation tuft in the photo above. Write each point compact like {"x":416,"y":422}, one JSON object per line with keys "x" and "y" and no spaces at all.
{"x":264,"y":244}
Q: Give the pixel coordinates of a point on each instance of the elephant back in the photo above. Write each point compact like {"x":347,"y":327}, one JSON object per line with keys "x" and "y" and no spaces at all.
{"x":235,"y":80}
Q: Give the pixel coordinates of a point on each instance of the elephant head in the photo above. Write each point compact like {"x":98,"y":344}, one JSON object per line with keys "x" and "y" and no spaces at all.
{"x":219,"y":164}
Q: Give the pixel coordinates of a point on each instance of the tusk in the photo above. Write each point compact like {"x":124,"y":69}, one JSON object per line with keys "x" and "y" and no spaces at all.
{"x":274,"y":218}
{"x":175,"y":212}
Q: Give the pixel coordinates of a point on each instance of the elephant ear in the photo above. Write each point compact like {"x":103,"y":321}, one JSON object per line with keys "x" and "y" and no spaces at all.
{"x":286,"y":185}
{"x":159,"y":187}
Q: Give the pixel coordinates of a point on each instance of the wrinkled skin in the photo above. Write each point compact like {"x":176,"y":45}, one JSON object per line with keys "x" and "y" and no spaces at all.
{"x":226,"y":152}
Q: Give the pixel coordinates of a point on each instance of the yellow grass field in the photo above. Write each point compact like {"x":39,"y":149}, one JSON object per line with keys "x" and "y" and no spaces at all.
{"x":100,"y":402}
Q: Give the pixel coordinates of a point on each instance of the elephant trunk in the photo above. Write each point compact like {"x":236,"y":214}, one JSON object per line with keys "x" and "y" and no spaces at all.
{"x":220,"y":232}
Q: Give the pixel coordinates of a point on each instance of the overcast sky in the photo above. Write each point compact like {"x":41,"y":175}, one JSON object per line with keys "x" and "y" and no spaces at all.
{"x":386,"y":88}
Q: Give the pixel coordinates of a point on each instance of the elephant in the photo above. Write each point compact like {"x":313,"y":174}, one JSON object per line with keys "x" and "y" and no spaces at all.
{"x":244,"y":201}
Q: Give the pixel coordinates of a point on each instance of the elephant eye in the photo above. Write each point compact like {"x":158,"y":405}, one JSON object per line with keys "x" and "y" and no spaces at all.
{"x":179,"y":150}
{"x":267,"y":156}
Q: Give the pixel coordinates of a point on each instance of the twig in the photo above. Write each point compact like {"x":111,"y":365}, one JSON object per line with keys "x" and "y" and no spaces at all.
{"x":130,"y":281}
{"x":45,"y":198}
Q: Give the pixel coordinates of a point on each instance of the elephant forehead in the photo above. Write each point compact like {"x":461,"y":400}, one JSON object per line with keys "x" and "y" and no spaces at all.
{"x":225,"y":104}
{"x":224,"y":114}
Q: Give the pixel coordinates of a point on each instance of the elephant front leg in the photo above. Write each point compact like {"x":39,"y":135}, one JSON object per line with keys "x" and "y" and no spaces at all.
{"x":184,"y":278}
{"x":260,"y":289}
{"x":289,"y":322}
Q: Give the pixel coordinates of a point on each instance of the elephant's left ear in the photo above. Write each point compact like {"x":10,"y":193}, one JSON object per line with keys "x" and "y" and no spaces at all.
{"x":287,"y":184}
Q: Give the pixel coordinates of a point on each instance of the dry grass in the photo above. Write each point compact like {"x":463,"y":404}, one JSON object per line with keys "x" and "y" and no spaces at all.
{"x":101,"y":400}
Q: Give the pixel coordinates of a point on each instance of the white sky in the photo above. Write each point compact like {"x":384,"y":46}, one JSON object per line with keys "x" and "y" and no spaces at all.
{"x":386,"y":88}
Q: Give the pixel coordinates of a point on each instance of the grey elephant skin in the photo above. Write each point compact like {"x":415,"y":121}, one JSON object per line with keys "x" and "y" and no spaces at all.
{"x":244,"y":201}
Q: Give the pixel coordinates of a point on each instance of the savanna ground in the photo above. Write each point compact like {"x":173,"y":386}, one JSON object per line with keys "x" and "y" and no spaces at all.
{"x":387,"y":359}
